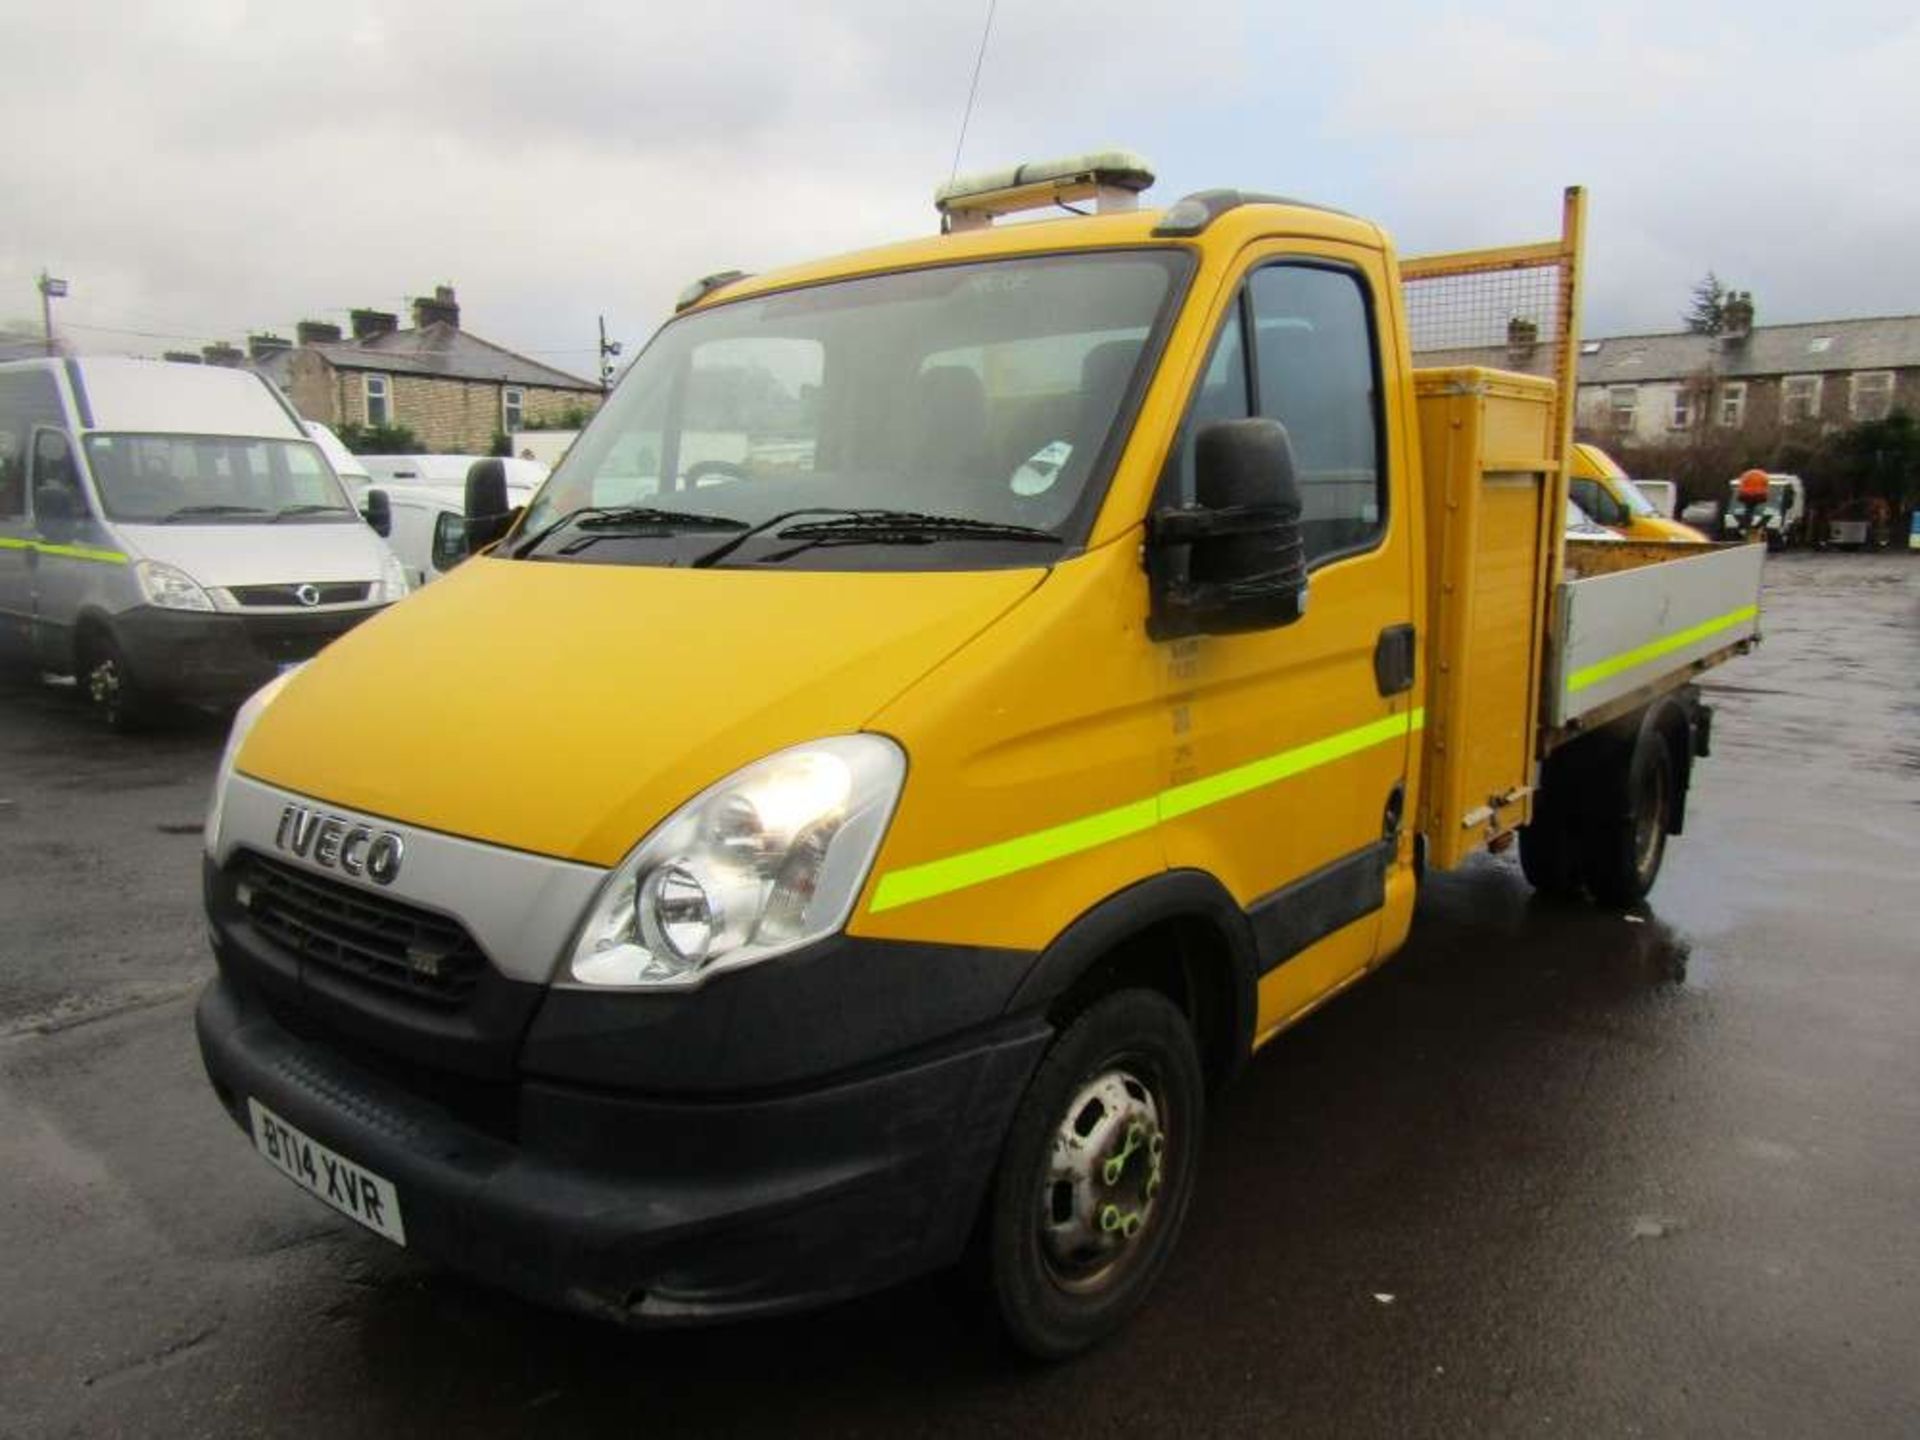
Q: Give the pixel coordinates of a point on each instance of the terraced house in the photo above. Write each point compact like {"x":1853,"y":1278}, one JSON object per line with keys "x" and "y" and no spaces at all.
{"x":1761,"y":379}
{"x":454,"y":390}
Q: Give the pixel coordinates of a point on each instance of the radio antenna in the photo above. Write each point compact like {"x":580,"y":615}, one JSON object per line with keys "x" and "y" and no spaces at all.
{"x":973,"y":89}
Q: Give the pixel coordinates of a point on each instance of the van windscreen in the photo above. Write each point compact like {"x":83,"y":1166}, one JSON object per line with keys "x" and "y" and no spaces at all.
{"x":213,"y":479}
{"x":989,"y":395}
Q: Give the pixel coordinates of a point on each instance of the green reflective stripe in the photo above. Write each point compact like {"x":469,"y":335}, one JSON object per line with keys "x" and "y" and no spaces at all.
{"x":82,"y":552}
{"x":1198,"y":794}
{"x":990,"y":862}
{"x":1008,"y":857}
{"x":72,"y":552}
{"x":1653,"y":650}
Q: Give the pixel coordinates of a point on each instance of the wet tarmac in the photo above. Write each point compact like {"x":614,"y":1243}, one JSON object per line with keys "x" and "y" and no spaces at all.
{"x":1552,"y":1171}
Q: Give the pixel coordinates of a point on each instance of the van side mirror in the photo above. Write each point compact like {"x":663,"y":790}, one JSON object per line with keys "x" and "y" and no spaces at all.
{"x":1234,"y":560}
{"x":489,"y":513}
{"x":379,"y":512}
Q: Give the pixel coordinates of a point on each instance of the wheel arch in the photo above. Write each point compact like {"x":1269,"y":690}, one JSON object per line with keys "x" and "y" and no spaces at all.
{"x":1180,"y":933}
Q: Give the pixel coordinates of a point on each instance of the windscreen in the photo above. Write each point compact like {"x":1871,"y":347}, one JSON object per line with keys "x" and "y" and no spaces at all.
{"x":214,"y":479}
{"x":989,"y":392}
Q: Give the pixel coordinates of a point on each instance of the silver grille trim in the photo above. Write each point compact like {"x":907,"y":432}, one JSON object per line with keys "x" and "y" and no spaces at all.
{"x":521,"y":909}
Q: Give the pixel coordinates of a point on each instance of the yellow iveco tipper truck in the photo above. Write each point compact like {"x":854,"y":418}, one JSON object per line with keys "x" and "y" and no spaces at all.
{"x":951,"y":707}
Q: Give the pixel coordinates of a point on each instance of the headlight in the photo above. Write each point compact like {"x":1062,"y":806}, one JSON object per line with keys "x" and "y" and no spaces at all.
{"x":393,"y":579}
{"x":769,"y":859}
{"x":243,"y":723}
{"x":169,"y":588}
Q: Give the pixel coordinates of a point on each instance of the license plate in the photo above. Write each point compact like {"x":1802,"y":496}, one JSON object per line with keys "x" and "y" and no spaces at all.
{"x":357,"y":1193}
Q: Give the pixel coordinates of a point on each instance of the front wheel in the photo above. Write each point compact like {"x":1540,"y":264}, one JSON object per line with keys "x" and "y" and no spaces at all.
{"x":1096,"y":1175}
{"x":110,"y":687}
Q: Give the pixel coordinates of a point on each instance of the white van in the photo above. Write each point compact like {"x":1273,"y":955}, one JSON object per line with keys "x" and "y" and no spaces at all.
{"x":429,"y":526}
{"x":446,"y":470}
{"x":348,"y":466}
{"x":171,"y":531}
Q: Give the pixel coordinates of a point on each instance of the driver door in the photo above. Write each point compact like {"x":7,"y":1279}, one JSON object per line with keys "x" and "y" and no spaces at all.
{"x":1292,"y":744}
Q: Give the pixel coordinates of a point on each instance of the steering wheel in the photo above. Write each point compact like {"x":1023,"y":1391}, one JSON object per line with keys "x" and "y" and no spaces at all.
{"x":703,"y":470}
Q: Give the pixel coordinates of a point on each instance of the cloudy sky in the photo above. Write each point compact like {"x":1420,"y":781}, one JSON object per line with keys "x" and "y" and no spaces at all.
{"x":202,"y":168}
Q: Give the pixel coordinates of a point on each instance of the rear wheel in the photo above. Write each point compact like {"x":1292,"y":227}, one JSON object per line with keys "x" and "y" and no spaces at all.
{"x":1549,"y":853}
{"x":1096,"y":1175}
{"x":110,"y":687}
{"x":1627,"y":838}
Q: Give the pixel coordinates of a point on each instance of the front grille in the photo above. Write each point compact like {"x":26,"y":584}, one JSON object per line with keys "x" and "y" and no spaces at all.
{"x":370,"y":937}
{"x":340,"y":592}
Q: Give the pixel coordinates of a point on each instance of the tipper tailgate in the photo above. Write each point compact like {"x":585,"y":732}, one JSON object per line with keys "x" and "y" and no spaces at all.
{"x":1640,"y":619}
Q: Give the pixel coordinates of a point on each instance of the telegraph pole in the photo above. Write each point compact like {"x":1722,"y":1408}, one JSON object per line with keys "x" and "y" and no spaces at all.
{"x":609,"y":352}
{"x":51,"y":289}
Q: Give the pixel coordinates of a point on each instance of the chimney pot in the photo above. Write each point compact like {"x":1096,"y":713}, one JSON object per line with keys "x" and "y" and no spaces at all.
{"x":442,"y":309}
{"x":372,"y":324}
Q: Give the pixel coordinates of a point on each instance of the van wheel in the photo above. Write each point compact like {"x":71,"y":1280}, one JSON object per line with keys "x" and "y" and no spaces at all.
{"x":1627,"y":839}
{"x":1550,"y":852}
{"x":108,"y":683}
{"x":1094,"y":1181}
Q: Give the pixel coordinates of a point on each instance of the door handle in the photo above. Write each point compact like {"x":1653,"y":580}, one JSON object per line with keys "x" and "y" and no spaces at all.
{"x":1393,"y":660}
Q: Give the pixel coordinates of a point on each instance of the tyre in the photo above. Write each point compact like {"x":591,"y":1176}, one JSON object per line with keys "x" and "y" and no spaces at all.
{"x":1094,"y":1181}
{"x":1549,"y":852}
{"x":107,"y":681}
{"x":1626,"y":838}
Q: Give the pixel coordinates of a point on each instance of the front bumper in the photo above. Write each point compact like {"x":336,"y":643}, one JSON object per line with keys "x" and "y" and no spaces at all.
{"x":197,"y":655}
{"x":652,"y":1210}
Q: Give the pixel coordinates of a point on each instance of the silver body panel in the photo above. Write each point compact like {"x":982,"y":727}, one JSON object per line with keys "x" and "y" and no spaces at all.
{"x":521,"y":909}
{"x":1621,"y":632}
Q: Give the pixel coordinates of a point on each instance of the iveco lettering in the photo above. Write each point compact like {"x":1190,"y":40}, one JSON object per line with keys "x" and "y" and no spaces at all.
{"x":951,"y":707}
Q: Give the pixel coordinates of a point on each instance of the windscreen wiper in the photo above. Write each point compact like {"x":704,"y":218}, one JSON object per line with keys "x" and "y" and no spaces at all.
{"x":613,"y":517}
{"x":188,"y":512}
{"x":849,"y":526}
{"x":309,"y":509}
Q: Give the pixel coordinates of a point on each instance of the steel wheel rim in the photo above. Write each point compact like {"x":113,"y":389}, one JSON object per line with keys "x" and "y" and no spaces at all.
{"x":1106,"y":1170}
{"x":1649,"y":825}
{"x":104,"y":684}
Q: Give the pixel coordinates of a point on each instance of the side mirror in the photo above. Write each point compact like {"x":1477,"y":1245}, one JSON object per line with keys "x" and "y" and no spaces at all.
{"x":379,"y":513}
{"x":489,"y":513}
{"x":1235,"y":560}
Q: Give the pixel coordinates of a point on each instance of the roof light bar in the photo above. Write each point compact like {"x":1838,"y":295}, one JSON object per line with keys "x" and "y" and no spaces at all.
{"x":705,"y":286}
{"x":1112,"y":179}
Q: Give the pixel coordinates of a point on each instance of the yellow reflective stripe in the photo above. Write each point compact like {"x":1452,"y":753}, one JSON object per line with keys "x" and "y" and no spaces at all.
{"x":72,"y":552}
{"x":1024,"y":852}
{"x":1653,"y":650}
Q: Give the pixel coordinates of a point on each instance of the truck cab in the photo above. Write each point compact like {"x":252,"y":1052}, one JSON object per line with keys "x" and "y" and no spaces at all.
{"x":952,"y":706}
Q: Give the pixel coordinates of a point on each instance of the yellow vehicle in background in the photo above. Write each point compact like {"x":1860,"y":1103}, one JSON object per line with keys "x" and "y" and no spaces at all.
{"x":1601,"y":488}
{"x":952,"y":705}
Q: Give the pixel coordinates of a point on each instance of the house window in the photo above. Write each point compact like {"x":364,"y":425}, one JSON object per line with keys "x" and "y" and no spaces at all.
{"x":512,"y":409}
{"x":1682,"y":409}
{"x":1733,"y":403}
{"x":1870,"y":394}
{"x":1622,"y":402}
{"x":379,"y":400}
{"x":1799,"y":398}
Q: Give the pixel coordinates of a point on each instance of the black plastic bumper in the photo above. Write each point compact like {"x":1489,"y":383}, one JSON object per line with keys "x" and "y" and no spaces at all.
{"x":195,"y":655}
{"x":654,"y":1210}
